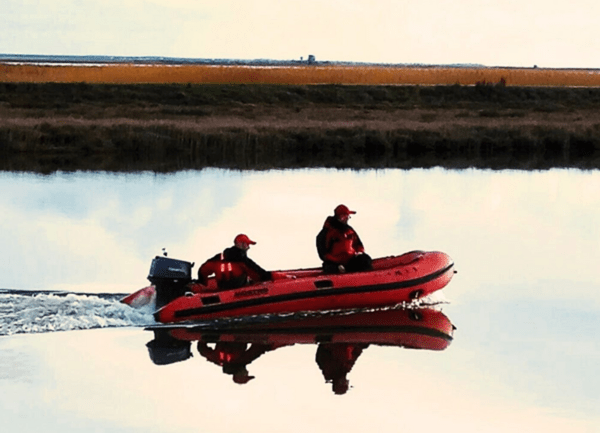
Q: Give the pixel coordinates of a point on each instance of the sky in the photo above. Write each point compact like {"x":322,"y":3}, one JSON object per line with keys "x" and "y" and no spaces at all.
{"x":516,"y":33}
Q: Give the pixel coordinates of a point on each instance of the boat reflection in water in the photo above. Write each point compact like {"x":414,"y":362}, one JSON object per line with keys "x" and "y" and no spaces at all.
{"x":340,"y":337}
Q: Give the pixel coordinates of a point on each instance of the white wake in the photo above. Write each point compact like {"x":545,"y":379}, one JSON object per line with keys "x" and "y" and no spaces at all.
{"x":48,"y":312}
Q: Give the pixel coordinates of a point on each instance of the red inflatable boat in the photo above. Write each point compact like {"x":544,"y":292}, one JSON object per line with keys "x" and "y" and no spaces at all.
{"x":341,"y":335}
{"x":392,"y":280}
{"x":419,"y":328}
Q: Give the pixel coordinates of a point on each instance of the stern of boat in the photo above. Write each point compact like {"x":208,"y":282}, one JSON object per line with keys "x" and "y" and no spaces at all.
{"x":170,"y":277}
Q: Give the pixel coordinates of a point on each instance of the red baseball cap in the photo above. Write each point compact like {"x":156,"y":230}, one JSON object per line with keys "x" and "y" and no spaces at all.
{"x":343,"y":210}
{"x":241,"y":238}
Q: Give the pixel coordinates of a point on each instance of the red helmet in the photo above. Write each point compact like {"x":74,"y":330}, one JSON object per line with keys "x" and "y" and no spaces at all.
{"x":243,"y":239}
{"x":343,"y":210}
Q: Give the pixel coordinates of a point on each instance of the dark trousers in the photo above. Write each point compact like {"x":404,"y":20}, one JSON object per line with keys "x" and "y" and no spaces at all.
{"x":358,"y":263}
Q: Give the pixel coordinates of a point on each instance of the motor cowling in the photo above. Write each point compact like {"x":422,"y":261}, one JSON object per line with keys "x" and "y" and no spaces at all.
{"x":170,"y":277}
{"x":164,"y":349}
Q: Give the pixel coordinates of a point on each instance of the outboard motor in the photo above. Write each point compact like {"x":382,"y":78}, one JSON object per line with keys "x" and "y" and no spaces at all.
{"x":164,"y":349}
{"x":170,"y":277}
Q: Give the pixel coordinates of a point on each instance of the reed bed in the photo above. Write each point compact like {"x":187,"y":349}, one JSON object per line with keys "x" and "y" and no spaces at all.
{"x":296,"y":75}
{"x":164,"y":148}
{"x":164,"y":127}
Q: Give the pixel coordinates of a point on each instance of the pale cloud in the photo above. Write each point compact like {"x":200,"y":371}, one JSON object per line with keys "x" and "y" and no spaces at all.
{"x":509,"y":33}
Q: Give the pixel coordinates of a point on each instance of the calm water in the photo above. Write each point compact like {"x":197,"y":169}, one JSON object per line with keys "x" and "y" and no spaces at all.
{"x":525,"y":301}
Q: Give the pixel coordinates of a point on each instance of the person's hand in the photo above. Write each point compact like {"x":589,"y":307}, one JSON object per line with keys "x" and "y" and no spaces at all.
{"x":276,"y":275}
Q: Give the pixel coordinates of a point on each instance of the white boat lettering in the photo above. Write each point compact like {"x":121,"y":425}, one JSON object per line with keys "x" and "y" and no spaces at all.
{"x":252,"y":292}
{"x":176,"y":270}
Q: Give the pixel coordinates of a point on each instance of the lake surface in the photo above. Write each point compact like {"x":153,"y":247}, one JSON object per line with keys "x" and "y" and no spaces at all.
{"x":525,"y":301}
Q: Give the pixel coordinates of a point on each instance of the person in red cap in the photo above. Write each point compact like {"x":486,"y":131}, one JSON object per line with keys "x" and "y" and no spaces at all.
{"x":339,"y":246}
{"x":234,"y":357}
{"x":233,"y":268}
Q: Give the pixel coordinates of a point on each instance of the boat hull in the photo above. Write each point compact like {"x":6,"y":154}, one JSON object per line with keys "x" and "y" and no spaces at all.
{"x":422,"y":328}
{"x":392,"y":281}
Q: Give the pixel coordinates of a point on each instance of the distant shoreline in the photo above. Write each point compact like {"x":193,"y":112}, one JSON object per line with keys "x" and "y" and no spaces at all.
{"x":156,"y":60}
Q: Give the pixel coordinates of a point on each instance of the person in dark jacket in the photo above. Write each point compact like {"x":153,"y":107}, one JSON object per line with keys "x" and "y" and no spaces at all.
{"x":233,"y":268}
{"x":339,"y":246}
{"x":234,"y":357}
{"x":336,"y":360}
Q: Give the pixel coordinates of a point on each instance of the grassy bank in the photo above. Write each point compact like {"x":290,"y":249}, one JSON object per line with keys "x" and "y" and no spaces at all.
{"x":318,"y":73}
{"x":164,"y":127}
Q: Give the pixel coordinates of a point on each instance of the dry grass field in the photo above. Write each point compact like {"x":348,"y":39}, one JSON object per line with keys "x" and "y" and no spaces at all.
{"x":166,"y":118}
{"x":295,"y":75}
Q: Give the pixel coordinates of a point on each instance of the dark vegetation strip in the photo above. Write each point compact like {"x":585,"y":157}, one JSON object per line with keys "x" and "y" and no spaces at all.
{"x":65,"y":95}
{"x":46,"y":147}
{"x":164,"y":150}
